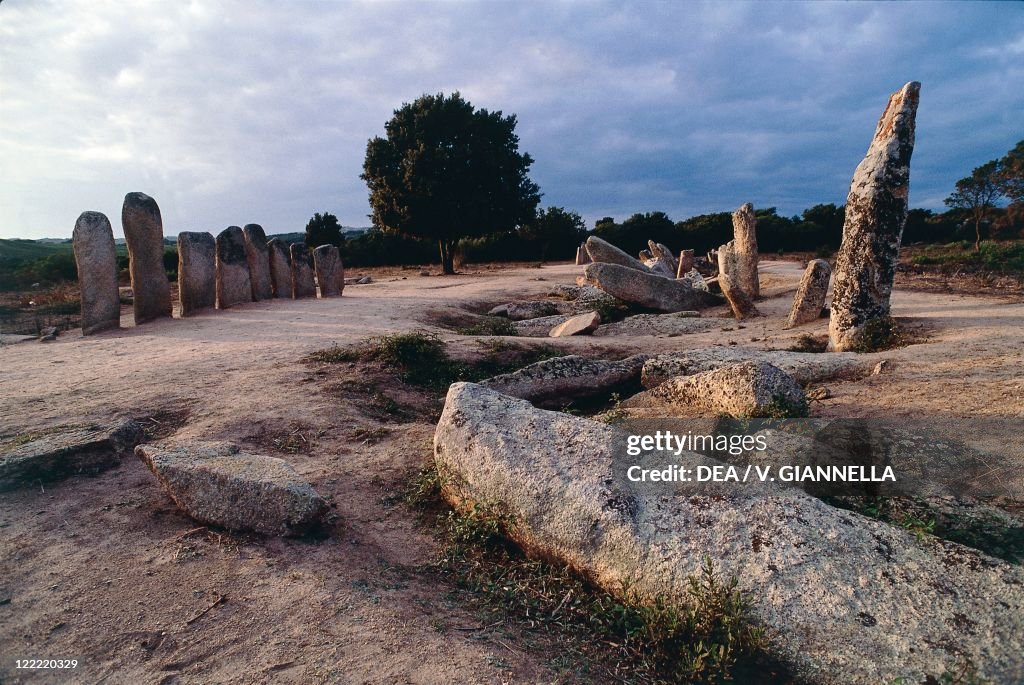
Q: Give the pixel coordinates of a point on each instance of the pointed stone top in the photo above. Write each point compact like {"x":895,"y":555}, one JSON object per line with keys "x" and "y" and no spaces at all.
{"x":898,"y":118}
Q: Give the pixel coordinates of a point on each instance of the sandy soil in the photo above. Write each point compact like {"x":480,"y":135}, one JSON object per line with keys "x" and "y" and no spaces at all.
{"x":106,"y":570}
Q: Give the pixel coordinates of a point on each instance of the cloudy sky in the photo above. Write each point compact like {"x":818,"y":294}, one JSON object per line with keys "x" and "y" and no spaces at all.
{"x":250,"y":112}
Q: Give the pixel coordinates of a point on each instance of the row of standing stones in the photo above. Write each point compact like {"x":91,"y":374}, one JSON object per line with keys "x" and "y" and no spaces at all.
{"x":876,"y":212}
{"x":239,"y":265}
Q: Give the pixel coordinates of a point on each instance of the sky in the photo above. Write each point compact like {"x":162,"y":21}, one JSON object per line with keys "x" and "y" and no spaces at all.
{"x":230,"y":113}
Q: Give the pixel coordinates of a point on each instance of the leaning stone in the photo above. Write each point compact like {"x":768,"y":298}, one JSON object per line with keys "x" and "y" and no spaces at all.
{"x":603,"y":251}
{"x":258,"y":257}
{"x":217,"y":484}
{"x":645,"y":289}
{"x":582,"y":257}
{"x":678,"y":323}
{"x":876,"y":211}
{"x":330,"y":273}
{"x":830,"y":585}
{"x":686,"y":263}
{"x":233,"y":283}
{"x":280,"y":267}
{"x":96,"y":260}
{"x":57,"y":455}
{"x":751,"y":388}
{"x":303,"y":284}
{"x":744,"y":228}
{"x":805,"y":367}
{"x":810,"y":296}
{"x":197,"y":272}
{"x":557,"y":381}
{"x":144,"y":236}
{"x":729,"y":279}
{"x":577,"y":325}
{"x":665,"y":255}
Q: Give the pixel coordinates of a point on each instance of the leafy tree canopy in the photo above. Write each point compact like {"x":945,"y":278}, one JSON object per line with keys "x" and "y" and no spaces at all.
{"x":977,"y":195}
{"x":324,"y":229}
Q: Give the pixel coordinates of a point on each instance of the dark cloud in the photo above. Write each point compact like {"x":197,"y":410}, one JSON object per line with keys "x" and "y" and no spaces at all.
{"x":261,"y":112}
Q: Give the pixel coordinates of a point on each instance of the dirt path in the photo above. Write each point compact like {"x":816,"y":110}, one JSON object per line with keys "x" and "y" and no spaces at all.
{"x":105,"y":570}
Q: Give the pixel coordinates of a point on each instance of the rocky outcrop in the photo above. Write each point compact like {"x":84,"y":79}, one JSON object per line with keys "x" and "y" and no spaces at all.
{"x":217,"y":484}
{"x":558,"y":381}
{"x":303,"y":284}
{"x":62,"y":453}
{"x":197,"y":272}
{"x":810,"y":296}
{"x":96,"y":260}
{"x":258,"y":257}
{"x":805,"y":367}
{"x":679,"y":323}
{"x":233,"y":283}
{"x":330,"y":274}
{"x":604,"y":252}
{"x":876,"y":211}
{"x":577,"y":325}
{"x":645,"y":289}
{"x":539,"y":327}
{"x":750,"y":388}
{"x":280,"y":267}
{"x":144,"y":236}
{"x":530,"y":309}
{"x":848,"y":600}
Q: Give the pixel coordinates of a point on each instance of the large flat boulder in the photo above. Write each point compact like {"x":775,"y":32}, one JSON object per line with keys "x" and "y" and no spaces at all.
{"x":216,"y":483}
{"x":603,"y":251}
{"x":531,"y":309}
{"x":678,"y":323}
{"x":539,"y":327}
{"x":580,"y":324}
{"x":805,"y":367}
{"x":645,"y":289}
{"x":61,"y":453}
{"x":750,"y":388}
{"x":847,"y":599}
{"x":557,"y":381}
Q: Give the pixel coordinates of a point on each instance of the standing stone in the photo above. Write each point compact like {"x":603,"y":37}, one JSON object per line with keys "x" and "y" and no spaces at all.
{"x":96,"y":259}
{"x":604,"y":252}
{"x":258,"y":256}
{"x":233,"y":283}
{"x":144,"y":235}
{"x":876,"y":211}
{"x":197,"y":272}
{"x":665,"y":255}
{"x":582,"y":256}
{"x":280,"y":267}
{"x":810,"y":296}
{"x":744,"y":229}
{"x":686,"y":263}
{"x":740,"y":301}
{"x":330,"y":273}
{"x":303,"y":284}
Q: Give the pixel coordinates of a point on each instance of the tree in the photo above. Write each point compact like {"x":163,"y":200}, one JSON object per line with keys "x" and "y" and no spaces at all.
{"x":977,"y":195}
{"x":324,"y":229}
{"x":1010,"y":176}
{"x":557,"y":232}
{"x":446,"y":170}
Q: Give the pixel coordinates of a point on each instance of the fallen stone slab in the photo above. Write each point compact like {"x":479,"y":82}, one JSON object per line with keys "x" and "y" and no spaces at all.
{"x":144,"y":235}
{"x":96,"y":261}
{"x":678,"y":323}
{"x":539,"y":327}
{"x":13,"y":339}
{"x":217,"y":484}
{"x":62,"y":453}
{"x":530,"y":309}
{"x":580,"y":324}
{"x":848,"y":600}
{"x":555,"y":382}
{"x":603,"y":251}
{"x":750,"y":388}
{"x":805,"y":367}
{"x":645,"y":289}
{"x":810,"y":295}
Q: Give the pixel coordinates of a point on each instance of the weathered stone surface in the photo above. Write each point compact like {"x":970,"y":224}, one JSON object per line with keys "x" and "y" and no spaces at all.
{"x":557,"y":381}
{"x":750,"y":388}
{"x":849,"y":600}
{"x":730,"y":267}
{"x":233,"y":283}
{"x":687,"y":260}
{"x":577,"y":325}
{"x":665,"y":255}
{"x":59,"y":454}
{"x":96,"y":259}
{"x":258,"y":257}
{"x":303,"y":284}
{"x":365,"y":280}
{"x":810,"y":296}
{"x":582,"y":256}
{"x":330,"y":273}
{"x":876,"y":211}
{"x":585,"y":298}
{"x":531,"y":309}
{"x":645,"y":289}
{"x":659,"y":267}
{"x":805,"y":367}
{"x":602,"y":251}
{"x":695,"y":279}
{"x":144,"y":236}
{"x":539,"y":327}
{"x":678,"y":323}
{"x":645,"y":256}
{"x":280,"y":267}
{"x":744,"y":229}
{"x":197,"y":272}
{"x":217,"y":484}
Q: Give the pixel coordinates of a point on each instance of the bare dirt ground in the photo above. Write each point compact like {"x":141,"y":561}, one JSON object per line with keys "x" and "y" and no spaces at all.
{"x":106,"y":570}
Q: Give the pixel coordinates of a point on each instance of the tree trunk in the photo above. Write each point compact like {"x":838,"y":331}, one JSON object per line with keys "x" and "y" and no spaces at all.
{"x":447,"y":256}
{"x":977,"y":235}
